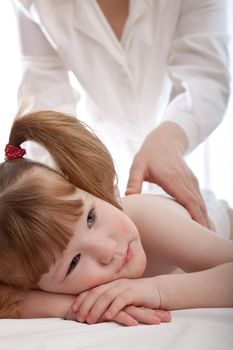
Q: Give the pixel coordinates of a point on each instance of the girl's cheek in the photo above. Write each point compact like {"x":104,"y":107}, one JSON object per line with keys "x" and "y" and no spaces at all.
{"x":93,"y":277}
{"x":85,"y":278}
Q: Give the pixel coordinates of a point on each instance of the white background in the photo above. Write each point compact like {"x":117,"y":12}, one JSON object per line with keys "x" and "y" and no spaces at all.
{"x":211,"y":162}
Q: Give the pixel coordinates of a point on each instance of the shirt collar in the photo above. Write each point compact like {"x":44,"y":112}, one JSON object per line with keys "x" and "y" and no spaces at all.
{"x":96,"y":26}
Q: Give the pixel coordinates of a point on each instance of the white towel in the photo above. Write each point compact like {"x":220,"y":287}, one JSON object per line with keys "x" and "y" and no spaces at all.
{"x":217,"y":211}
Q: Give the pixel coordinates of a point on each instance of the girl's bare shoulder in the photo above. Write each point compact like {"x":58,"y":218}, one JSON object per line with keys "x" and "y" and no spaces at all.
{"x":138,"y":205}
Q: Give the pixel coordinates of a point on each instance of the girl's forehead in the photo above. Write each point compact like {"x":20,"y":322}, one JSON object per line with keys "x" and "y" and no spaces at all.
{"x":84,"y":196}
{"x":51,"y":176}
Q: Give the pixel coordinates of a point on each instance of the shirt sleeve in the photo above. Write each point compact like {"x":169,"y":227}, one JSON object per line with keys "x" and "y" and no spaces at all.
{"x":45,"y":80}
{"x":198,"y":69}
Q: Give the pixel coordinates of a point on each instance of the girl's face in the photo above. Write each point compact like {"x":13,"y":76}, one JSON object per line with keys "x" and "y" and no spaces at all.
{"x":105,"y":246}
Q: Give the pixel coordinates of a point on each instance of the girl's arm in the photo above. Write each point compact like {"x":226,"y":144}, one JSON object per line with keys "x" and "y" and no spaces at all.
{"x":208,"y":288}
{"x":16,"y":303}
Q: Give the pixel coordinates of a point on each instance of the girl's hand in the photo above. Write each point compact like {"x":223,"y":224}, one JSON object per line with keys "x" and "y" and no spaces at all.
{"x":131,"y":316}
{"x":125,"y":301}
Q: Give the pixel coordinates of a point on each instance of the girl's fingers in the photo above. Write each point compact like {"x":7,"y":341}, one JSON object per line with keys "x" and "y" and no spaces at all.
{"x":103,"y":302}
{"x":85,"y":307}
{"x":133,"y":315}
{"x":120,"y":301}
{"x":91,"y":305}
{"x":80,"y":298}
{"x":165,"y":316}
{"x":110,"y":299}
{"x":122,"y":318}
{"x":148,"y":316}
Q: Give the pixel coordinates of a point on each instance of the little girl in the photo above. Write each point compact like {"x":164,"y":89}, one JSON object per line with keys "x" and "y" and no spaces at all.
{"x":69,"y":249}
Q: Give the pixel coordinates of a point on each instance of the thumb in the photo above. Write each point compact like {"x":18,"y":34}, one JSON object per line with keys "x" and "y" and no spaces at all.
{"x":136,"y":177}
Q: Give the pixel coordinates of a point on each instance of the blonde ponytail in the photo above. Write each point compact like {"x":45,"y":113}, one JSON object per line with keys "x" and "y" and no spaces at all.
{"x":80,"y":155}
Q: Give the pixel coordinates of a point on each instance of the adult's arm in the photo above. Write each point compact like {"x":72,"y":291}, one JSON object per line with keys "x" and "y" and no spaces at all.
{"x":45,"y":81}
{"x":197,"y":65}
{"x":199,"y":69}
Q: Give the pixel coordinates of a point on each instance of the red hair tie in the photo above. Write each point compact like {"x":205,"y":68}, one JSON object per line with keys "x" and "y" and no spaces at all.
{"x":13,"y":152}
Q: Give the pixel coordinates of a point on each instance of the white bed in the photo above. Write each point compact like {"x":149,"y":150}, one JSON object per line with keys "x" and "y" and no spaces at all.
{"x":199,"y":329}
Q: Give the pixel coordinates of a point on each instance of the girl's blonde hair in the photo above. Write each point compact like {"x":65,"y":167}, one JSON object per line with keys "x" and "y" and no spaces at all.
{"x":32,"y":211}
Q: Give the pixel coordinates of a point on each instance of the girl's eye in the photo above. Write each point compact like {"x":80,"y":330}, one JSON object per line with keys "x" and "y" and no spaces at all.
{"x":74,"y":263}
{"x":91,"y":218}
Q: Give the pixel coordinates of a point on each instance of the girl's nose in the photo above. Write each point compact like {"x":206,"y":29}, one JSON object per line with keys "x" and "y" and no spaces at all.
{"x":102,"y":250}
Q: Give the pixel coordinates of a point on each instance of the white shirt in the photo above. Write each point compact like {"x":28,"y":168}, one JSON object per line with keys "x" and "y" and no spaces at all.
{"x":171,"y":64}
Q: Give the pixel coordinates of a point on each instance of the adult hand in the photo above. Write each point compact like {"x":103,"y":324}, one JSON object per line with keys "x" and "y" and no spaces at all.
{"x":160,"y":161}
{"x":125,"y":301}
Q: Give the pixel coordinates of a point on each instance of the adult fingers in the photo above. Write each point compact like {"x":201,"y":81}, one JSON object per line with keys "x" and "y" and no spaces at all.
{"x":179,"y":181}
{"x":186,"y":192}
{"x":203,"y":218}
{"x":136,"y":177}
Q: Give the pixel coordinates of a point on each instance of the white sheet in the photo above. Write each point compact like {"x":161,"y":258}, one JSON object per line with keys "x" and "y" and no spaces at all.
{"x":199,"y":329}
